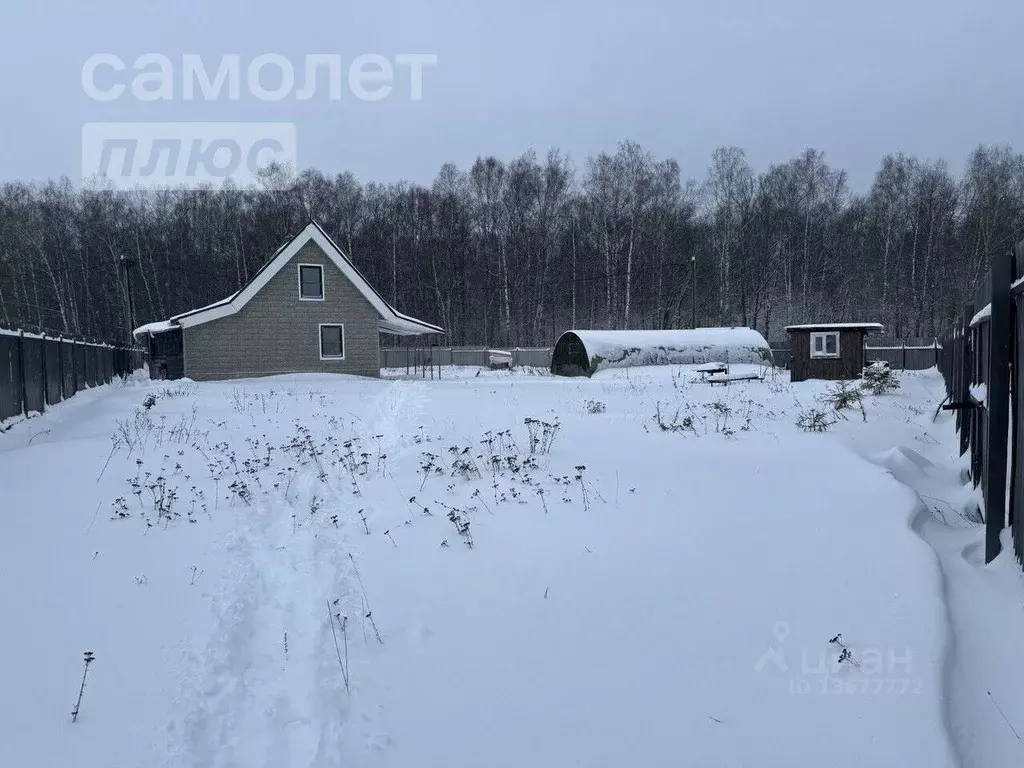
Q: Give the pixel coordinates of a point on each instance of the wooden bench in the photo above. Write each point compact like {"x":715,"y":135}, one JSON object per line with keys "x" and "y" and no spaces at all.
{"x":726,"y":378}
{"x":711,"y":369}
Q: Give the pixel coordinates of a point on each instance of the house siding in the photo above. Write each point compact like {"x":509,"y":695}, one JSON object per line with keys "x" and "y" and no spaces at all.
{"x":277,"y":333}
{"x":849,"y":365}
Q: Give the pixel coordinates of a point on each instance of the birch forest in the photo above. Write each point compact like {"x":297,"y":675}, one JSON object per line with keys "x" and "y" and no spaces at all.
{"x":514,"y":251}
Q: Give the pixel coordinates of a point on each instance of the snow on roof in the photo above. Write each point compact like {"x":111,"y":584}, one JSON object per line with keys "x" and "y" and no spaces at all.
{"x":214,"y":305}
{"x":835,"y":327}
{"x":984,"y":314}
{"x":690,"y":337}
{"x":616,"y":349}
{"x":150,"y":329}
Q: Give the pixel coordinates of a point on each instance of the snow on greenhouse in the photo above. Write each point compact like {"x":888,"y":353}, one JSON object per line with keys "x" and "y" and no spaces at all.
{"x":583,"y":353}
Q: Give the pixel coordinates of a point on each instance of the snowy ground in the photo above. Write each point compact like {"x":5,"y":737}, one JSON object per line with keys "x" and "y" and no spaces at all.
{"x":633,"y":595}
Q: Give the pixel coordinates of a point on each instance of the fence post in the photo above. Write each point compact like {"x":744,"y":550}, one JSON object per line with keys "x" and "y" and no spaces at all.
{"x":997,"y":403}
{"x":904,"y":354}
{"x":1015,"y":400}
{"x":965,"y":377}
{"x":935,"y":345}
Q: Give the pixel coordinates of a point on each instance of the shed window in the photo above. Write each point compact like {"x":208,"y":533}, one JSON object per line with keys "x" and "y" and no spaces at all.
{"x":332,"y":342}
{"x":825,"y":344}
{"x":311,"y":282}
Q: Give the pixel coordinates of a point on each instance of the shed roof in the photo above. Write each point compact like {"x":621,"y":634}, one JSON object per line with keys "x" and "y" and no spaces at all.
{"x":391,"y":320}
{"x":867,"y":327}
{"x":151,"y":329}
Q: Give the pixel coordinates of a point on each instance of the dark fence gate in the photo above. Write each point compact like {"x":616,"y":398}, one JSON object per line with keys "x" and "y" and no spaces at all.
{"x":982,"y":363}
{"x":39,"y":370}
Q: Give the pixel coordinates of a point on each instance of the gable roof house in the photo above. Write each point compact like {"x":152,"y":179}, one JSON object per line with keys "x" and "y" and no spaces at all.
{"x":308,"y":309}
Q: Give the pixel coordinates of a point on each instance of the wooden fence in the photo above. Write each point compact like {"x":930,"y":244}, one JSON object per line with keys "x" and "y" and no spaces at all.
{"x":982,"y":363}
{"x":38,"y":370}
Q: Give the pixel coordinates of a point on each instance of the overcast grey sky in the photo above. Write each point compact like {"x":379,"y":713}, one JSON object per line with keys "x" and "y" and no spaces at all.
{"x":855,"y":79}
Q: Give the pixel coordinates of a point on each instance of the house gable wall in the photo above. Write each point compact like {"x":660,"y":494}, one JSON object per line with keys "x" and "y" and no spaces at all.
{"x":276,"y":332}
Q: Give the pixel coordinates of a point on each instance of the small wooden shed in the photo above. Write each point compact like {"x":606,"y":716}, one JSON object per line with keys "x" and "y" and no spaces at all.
{"x":832,"y":351}
{"x":164,"y":350}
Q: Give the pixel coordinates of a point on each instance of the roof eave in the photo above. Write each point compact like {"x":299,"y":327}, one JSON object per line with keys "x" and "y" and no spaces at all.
{"x":869,"y":327}
{"x":407,"y":327}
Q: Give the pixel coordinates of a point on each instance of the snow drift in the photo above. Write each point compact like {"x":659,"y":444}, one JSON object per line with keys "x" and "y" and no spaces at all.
{"x":583,"y":353}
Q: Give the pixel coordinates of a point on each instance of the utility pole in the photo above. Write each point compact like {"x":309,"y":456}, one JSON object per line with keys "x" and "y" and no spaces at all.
{"x":126,"y":268}
{"x":693,"y":290}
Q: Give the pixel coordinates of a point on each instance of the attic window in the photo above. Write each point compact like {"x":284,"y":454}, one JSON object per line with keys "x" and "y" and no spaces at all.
{"x":311,"y":282}
{"x":825,"y":344}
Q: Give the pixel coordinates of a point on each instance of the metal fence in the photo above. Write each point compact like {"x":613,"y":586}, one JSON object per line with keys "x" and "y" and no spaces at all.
{"x":906,"y":357}
{"x":418,"y":358}
{"x":39,"y":370}
{"x":982,"y":363}
{"x":902,"y":355}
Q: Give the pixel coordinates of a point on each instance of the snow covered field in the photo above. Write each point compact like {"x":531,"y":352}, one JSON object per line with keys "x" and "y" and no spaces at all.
{"x":330,"y":571}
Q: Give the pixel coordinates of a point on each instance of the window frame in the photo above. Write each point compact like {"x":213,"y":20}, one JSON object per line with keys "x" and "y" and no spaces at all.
{"x":320,"y":341}
{"x":825,"y":355}
{"x":323,"y":288}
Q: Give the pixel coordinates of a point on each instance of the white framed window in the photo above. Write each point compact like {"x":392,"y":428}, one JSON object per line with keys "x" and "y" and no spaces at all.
{"x":332,"y":341}
{"x":311,"y":282}
{"x":825,"y":344}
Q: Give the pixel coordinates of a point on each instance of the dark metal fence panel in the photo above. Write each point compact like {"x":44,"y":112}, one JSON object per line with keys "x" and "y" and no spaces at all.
{"x":67,"y":353}
{"x":39,"y":371}
{"x":32,"y":373}
{"x":54,"y":385}
{"x":1016,"y":505}
{"x":79,"y":367}
{"x":997,"y":399}
{"x":982,"y":364}
{"x":979,"y":335}
{"x":10,"y":378}
{"x":85,"y":373}
{"x":91,"y":365}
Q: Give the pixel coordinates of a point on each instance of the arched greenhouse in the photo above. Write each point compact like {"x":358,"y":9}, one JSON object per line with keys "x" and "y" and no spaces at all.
{"x":584,"y":353}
